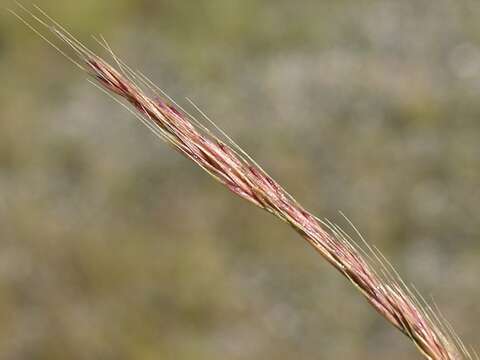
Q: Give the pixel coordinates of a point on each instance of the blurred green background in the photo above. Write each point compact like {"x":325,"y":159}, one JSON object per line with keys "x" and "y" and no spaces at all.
{"x":114,"y":247}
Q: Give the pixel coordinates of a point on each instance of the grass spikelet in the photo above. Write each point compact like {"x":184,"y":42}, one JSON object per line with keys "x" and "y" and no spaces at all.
{"x":362,"y":265}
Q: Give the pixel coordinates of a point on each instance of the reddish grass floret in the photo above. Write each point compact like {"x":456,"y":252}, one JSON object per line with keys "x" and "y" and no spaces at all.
{"x":384,"y":291}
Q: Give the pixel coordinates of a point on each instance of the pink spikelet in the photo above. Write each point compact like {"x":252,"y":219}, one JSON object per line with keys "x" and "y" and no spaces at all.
{"x":384,"y":291}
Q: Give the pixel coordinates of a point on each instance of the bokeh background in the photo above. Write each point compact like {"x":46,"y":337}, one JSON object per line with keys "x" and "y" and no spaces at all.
{"x":114,"y":247}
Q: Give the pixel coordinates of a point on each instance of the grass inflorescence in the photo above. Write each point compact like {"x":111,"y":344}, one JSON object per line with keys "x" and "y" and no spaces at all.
{"x":362,"y":265}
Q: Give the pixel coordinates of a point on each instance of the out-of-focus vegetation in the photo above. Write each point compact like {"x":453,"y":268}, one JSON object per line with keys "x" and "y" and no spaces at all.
{"x":114,"y":247}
